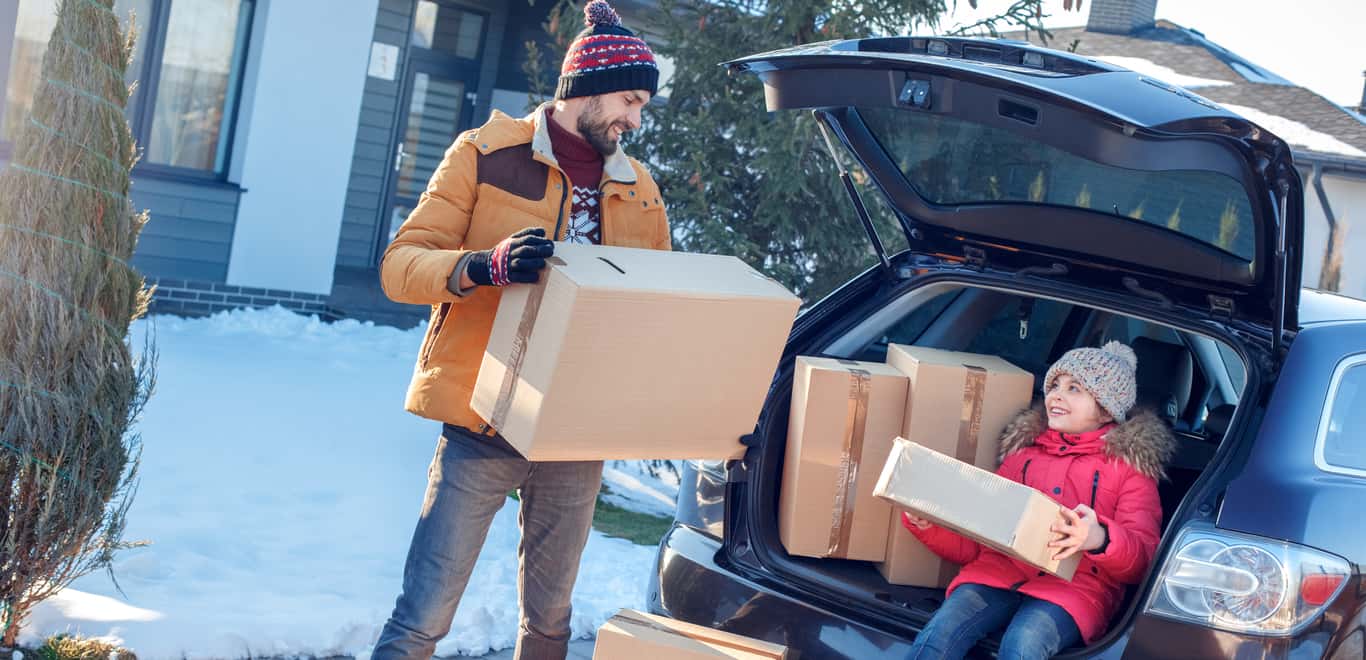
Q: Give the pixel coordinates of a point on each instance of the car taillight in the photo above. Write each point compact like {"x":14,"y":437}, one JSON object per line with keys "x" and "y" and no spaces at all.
{"x":1320,"y":589}
{"x":1243,"y":583}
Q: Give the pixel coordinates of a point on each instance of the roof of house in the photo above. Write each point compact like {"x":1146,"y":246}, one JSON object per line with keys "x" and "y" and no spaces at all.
{"x":1309,"y":122}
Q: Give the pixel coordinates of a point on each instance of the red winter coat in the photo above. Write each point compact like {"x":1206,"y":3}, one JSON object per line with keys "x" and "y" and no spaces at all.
{"x":1113,"y":470}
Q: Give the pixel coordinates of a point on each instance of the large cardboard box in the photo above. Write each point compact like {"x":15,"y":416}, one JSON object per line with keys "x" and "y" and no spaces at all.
{"x":957,"y":403}
{"x":909,"y":562}
{"x":1003,"y":514}
{"x":622,"y":353}
{"x":843,"y":419}
{"x":632,"y":635}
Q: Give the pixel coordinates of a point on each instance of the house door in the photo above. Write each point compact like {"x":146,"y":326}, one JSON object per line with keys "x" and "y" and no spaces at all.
{"x":437,"y":103}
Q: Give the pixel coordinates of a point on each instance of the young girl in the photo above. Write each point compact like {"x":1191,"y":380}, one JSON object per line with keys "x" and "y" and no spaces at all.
{"x":1079,"y":450}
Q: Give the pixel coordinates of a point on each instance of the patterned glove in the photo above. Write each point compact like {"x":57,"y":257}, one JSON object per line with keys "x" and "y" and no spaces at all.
{"x":518,"y":258}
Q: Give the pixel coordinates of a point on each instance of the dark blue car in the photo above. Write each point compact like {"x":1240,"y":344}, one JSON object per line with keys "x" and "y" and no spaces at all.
{"x":1052,"y":201}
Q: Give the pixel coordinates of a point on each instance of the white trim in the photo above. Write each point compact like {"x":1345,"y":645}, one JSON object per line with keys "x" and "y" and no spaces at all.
{"x":1322,"y":436}
{"x":296,"y":160}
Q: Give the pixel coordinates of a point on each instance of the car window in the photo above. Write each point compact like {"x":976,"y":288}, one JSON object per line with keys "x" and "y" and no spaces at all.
{"x":909,"y":328}
{"x":1343,"y":444}
{"x":1024,"y":345}
{"x":951,"y":161}
{"x":1236,"y":372}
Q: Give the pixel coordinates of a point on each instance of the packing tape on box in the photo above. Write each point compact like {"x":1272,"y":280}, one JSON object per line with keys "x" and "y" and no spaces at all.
{"x":508,"y":390}
{"x":855,"y":423}
{"x":970,"y":419}
{"x":658,"y":627}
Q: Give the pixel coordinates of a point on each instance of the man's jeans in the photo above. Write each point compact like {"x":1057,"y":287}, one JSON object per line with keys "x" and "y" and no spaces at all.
{"x":467,"y":483}
{"x":1037,"y":629}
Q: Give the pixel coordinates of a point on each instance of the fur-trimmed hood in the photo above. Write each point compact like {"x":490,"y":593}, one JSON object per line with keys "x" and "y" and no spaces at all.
{"x":1143,"y":441}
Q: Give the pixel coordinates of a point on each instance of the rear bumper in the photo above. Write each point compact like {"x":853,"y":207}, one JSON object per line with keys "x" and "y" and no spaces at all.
{"x":690,"y":586}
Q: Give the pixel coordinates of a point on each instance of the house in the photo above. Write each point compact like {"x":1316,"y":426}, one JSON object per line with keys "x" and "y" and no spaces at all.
{"x":1328,"y":141}
{"x":284,"y":141}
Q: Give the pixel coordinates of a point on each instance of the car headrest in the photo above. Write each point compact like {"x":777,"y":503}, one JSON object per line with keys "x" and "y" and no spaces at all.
{"x":1217,"y":420}
{"x":1165,"y":375}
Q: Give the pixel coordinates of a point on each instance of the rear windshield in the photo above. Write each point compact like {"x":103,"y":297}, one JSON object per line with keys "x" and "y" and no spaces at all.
{"x":953,"y":162}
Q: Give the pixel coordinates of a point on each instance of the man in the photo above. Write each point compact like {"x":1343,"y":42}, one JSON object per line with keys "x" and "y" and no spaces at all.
{"x":502,"y":193}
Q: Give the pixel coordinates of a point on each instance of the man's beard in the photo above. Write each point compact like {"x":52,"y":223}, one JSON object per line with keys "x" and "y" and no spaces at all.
{"x":597,"y":130}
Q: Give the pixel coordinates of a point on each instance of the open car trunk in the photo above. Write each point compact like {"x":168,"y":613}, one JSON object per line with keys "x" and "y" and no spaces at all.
{"x":1192,"y":380}
{"x":1005,"y":153}
{"x":1049,"y":202}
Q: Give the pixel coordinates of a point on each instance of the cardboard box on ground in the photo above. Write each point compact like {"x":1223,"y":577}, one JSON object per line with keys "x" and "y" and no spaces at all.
{"x":632,"y":635}
{"x":844,"y":417}
{"x":622,"y":353}
{"x":990,"y":509}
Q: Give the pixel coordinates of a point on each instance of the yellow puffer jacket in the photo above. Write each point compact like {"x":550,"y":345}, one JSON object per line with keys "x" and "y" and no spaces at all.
{"x":494,"y":181}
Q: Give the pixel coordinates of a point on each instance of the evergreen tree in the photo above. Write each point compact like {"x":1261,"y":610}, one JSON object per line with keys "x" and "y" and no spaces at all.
{"x":70,"y":387}
{"x":737,"y":180}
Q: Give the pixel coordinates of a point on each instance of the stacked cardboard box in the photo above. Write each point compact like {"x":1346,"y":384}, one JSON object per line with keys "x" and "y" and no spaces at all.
{"x":632,"y":635}
{"x":957,"y":403}
{"x":844,"y":417}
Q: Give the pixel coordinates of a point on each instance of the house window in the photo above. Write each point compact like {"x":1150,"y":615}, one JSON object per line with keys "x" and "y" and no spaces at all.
{"x":187,"y":64}
{"x":450,"y":29}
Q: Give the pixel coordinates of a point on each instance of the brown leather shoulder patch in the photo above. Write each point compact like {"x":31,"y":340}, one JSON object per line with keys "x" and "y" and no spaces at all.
{"x":514,"y":170}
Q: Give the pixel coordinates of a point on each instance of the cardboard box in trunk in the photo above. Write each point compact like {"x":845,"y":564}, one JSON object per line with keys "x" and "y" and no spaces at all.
{"x":1003,"y":514}
{"x":909,"y":562}
{"x":843,"y":419}
{"x":632,"y":635}
{"x":957,"y":403}
{"x":622,"y":353}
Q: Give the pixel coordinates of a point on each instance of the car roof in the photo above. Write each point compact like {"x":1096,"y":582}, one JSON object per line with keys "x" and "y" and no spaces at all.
{"x":1327,"y":307}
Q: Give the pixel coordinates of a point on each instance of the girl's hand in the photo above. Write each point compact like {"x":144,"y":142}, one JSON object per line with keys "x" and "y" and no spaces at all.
{"x":1078,"y":530}
{"x":918,"y":522}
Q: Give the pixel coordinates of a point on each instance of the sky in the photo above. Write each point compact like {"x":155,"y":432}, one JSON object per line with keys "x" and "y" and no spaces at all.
{"x":1318,"y":45}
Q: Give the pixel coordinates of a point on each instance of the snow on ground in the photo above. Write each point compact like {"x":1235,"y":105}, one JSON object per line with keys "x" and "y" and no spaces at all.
{"x":630,"y":485}
{"x":1155,"y":70}
{"x":281,"y":479}
{"x":1296,"y":133}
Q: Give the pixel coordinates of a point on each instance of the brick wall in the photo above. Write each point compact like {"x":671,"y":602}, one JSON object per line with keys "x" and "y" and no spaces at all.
{"x":1121,"y":16}
{"x":196,"y":298}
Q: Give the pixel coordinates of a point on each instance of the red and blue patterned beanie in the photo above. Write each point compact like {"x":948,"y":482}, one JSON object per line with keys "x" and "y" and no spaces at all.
{"x":606,"y":57}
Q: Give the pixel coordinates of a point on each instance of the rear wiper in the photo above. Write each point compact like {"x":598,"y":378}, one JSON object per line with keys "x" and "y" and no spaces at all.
{"x":822,"y":119}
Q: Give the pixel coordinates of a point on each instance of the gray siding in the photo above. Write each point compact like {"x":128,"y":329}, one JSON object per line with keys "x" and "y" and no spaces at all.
{"x":189,"y":235}
{"x":379,"y":112}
